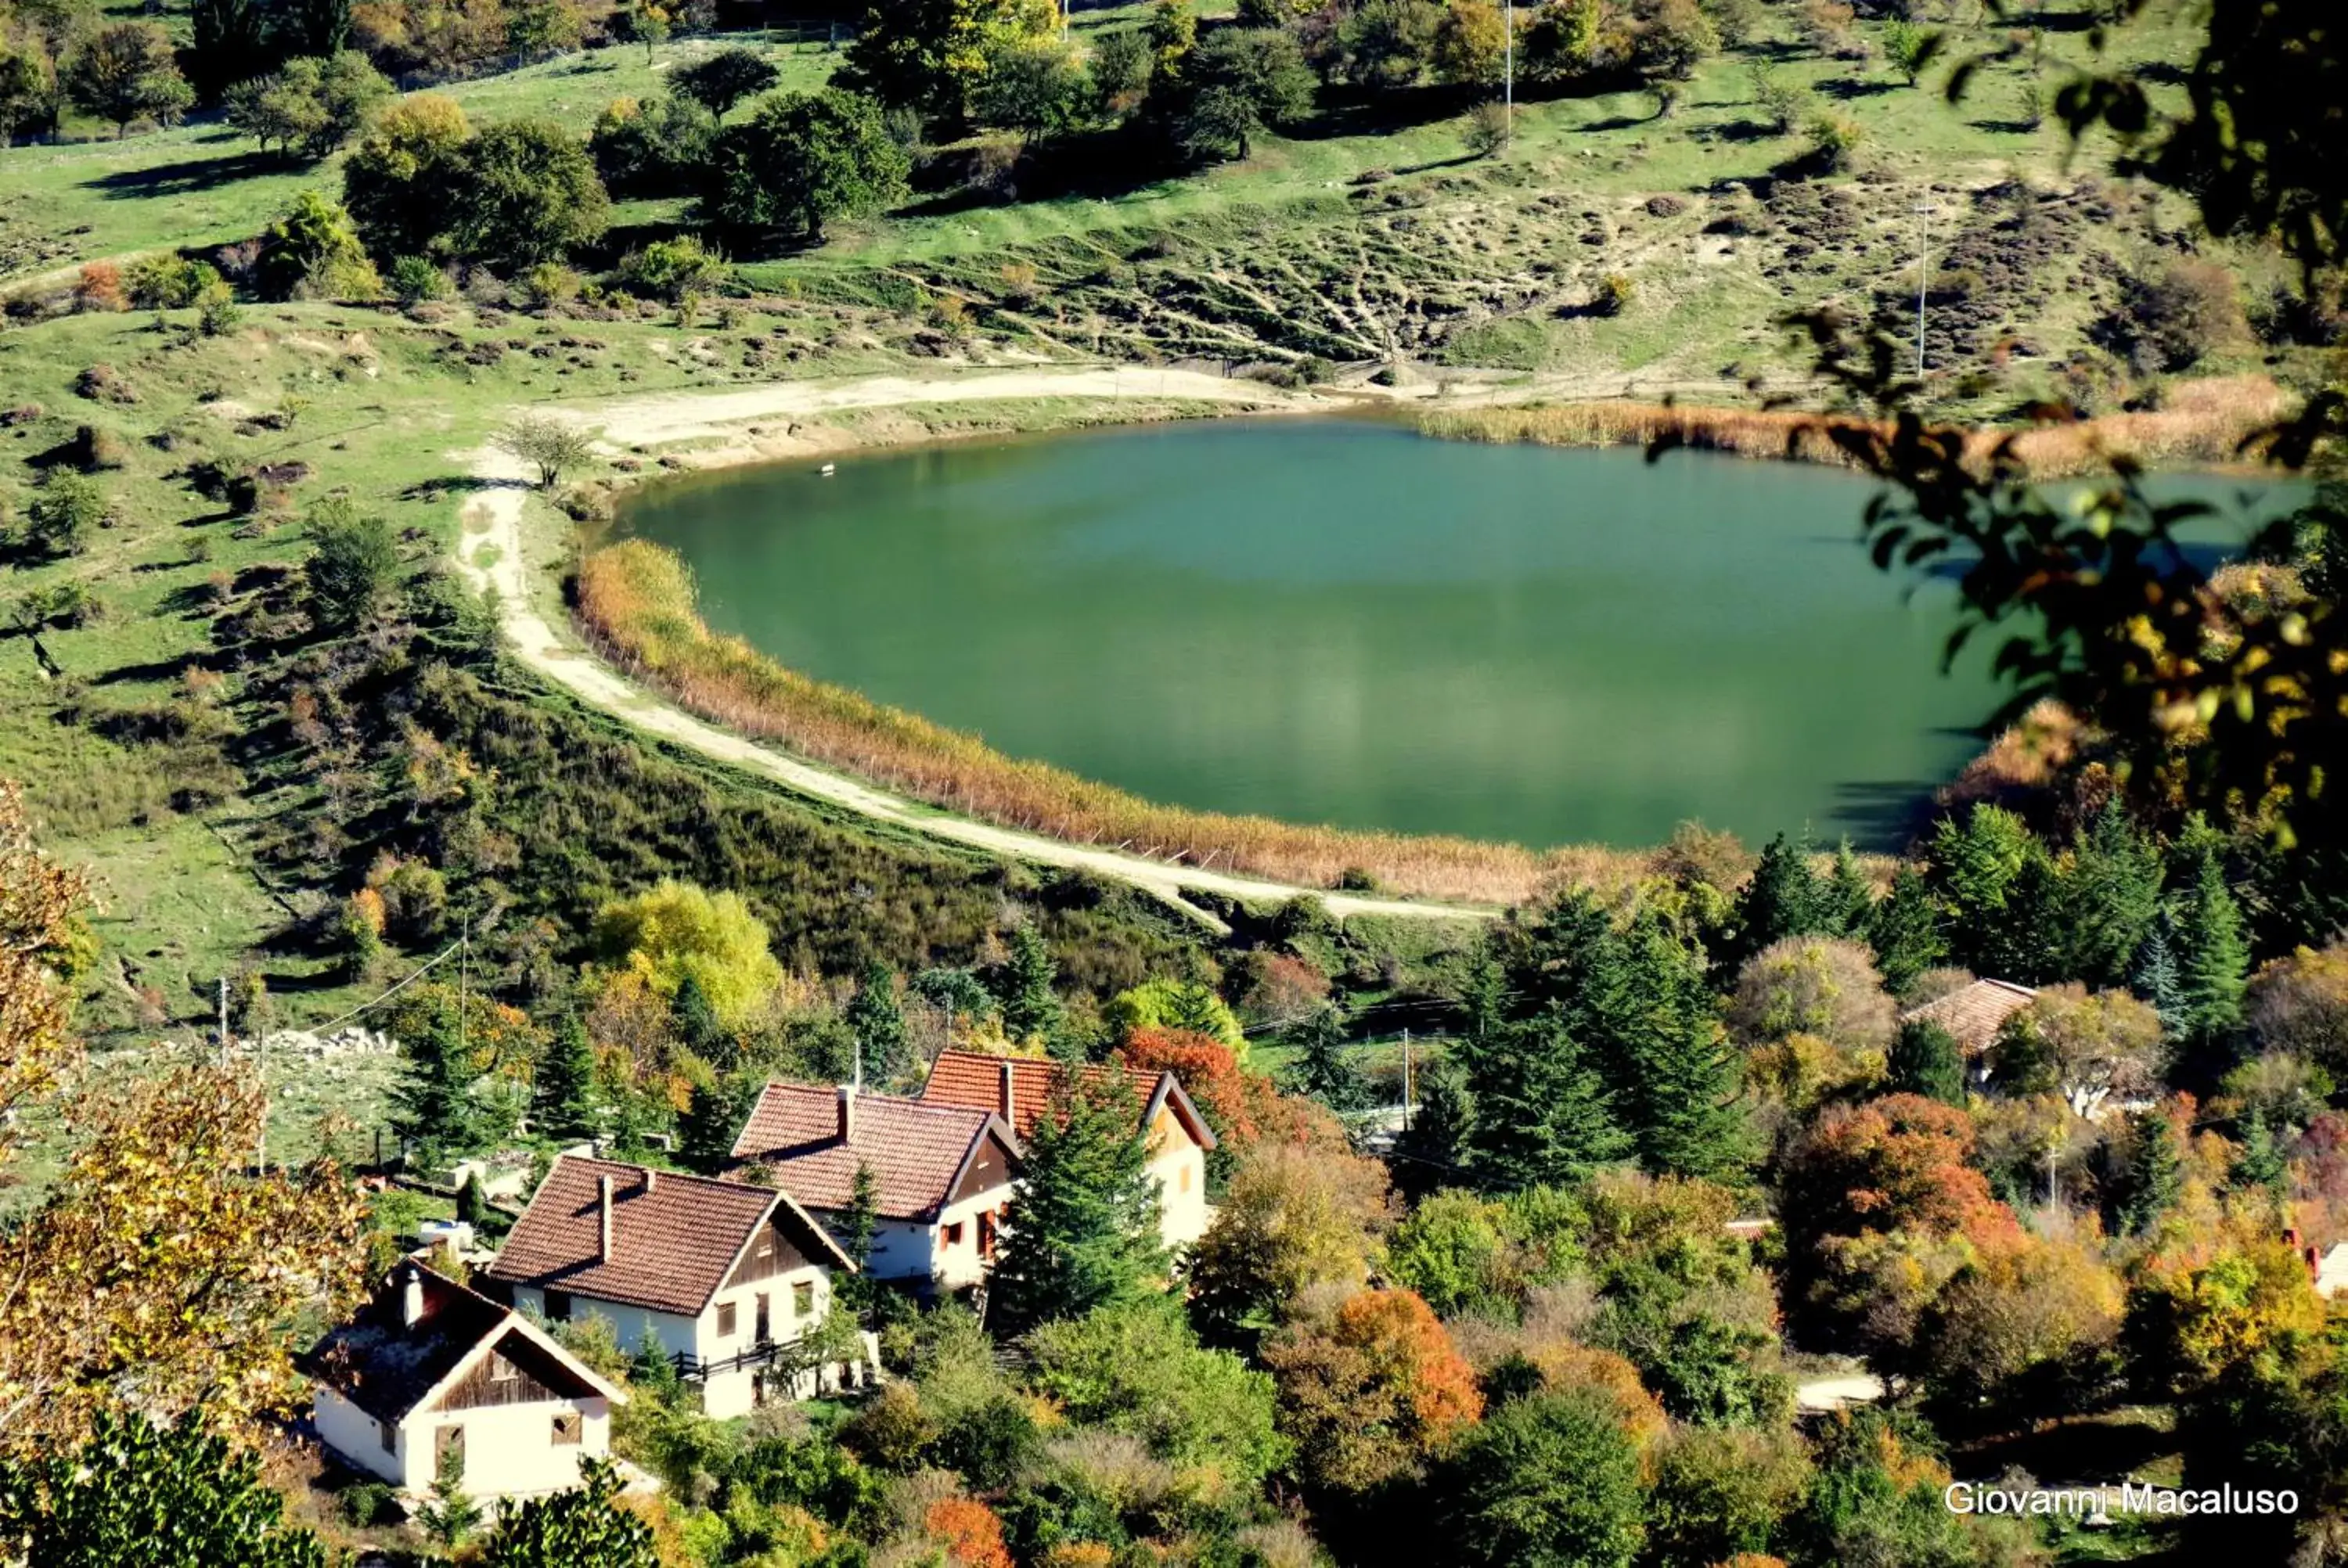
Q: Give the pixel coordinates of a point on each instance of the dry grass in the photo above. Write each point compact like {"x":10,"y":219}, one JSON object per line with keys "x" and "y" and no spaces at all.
{"x":2202,"y":422}
{"x":637,"y":603}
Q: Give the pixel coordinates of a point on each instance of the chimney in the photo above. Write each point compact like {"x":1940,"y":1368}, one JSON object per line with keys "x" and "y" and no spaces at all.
{"x":649,"y":1174}
{"x":847,"y":1113}
{"x":604,"y":1193}
{"x":411,"y":1298}
{"x":1010,"y":1078}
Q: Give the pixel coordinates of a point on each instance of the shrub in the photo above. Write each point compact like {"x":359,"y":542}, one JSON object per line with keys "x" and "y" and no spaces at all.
{"x":99,"y":288}
{"x":1835,"y":140}
{"x":550,"y":285}
{"x":550,"y":445}
{"x":312,"y":252}
{"x":653,"y":147}
{"x":216,"y":310}
{"x":725,"y":79}
{"x":65,"y":511}
{"x":415,"y":279}
{"x":672,"y":269}
{"x":96,"y":447}
{"x":1614,"y":294}
{"x":2174,"y":319}
{"x":104,"y":384}
{"x":1782,"y":100}
{"x":169,"y":282}
{"x":1486,"y":130}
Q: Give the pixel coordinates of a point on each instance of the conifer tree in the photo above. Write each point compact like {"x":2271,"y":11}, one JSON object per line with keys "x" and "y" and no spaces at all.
{"x":1024,"y":986}
{"x":1484,"y":994}
{"x":2115,"y":899}
{"x":1084,"y":1229}
{"x":853,"y":1230}
{"x":2213,"y":956}
{"x":2260,"y":1165}
{"x":1974,"y":865}
{"x":1322,"y":1071}
{"x":1925,"y":1061}
{"x":1848,"y":901}
{"x":2156,"y":1177}
{"x":1781,"y":899}
{"x":880,"y":1025}
{"x":1675,"y":1082}
{"x":1905,"y":932}
{"x":2155,"y":979}
{"x":472,"y":1203}
{"x":2027,"y":940}
{"x":1543,"y":1117}
{"x":432,"y":1104}
{"x":705,"y":1132}
{"x":1441,"y":1124}
{"x":694,"y":1017}
{"x":561,"y":1094}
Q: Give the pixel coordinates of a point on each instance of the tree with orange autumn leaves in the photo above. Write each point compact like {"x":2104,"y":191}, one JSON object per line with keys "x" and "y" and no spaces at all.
{"x":1370,"y":1391}
{"x":159,"y":1271}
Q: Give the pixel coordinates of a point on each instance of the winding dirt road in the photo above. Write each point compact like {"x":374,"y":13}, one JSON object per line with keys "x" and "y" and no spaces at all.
{"x":493,"y":519}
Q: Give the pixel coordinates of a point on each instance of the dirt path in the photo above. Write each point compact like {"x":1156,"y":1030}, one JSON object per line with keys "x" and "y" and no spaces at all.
{"x":493,"y":520}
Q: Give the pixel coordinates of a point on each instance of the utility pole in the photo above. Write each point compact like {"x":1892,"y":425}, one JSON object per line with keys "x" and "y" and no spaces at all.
{"x":223,"y":1020}
{"x":464,"y":963}
{"x":1508,"y":71}
{"x":1924,"y":276}
{"x":260,"y":1072}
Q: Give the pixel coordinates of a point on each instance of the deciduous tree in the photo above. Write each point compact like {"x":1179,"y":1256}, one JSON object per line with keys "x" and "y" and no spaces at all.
{"x":1552,"y":1478}
{"x":1371,"y":1393}
{"x":801,"y":160}
{"x":128,"y":72}
{"x":1290,"y":1219}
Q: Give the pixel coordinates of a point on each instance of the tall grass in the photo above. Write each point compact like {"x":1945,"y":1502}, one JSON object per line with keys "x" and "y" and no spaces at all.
{"x":636,"y":604}
{"x":2201,"y":422}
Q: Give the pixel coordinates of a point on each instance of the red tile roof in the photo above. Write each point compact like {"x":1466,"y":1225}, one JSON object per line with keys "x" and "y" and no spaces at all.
{"x":969,"y":1078}
{"x":916,"y":1150}
{"x":388,"y":1367}
{"x":673,"y":1236}
{"x":1973,"y":1014}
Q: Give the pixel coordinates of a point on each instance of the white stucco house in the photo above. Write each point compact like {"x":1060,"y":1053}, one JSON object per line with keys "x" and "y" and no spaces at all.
{"x":1019,"y":1090}
{"x":726,"y":1277}
{"x":942,"y":1174}
{"x":430,"y":1368}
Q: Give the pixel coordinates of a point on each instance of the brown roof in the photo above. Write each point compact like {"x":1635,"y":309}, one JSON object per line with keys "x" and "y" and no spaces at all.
{"x":917,"y":1151}
{"x":970,"y":1078}
{"x":388,"y":1367}
{"x":674,"y":1237}
{"x":1973,"y":1014}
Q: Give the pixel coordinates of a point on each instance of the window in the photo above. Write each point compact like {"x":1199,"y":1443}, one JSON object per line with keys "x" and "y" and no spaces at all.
{"x":1186,"y":1178}
{"x":567,"y":1428}
{"x":502,"y":1370}
{"x":558,"y":1307}
{"x":446,"y":1441}
{"x":725,"y":1321}
{"x":765,"y":1324}
{"x":803,"y":1298}
{"x":390,"y":1436}
{"x":953,"y":1234}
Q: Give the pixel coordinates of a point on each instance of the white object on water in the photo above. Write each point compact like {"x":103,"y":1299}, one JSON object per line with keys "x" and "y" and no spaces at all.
{"x":827,"y":470}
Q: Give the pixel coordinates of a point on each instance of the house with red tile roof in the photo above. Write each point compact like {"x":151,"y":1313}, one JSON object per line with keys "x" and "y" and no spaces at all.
{"x":1973,"y":1014}
{"x":1020,"y":1089}
{"x":428,"y":1368}
{"x":726,"y":1277}
{"x":943,"y":1174}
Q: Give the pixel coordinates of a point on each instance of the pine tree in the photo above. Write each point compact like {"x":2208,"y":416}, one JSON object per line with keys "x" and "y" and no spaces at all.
{"x":451,"y":1517}
{"x":1484,"y":994}
{"x":432,"y":1103}
{"x":2153,"y":978}
{"x":2115,"y":899}
{"x":561,"y":1095}
{"x":1676,"y":1078}
{"x":694,"y":1017}
{"x":2213,"y":956}
{"x":1543,"y":1117}
{"x":1084,"y":1229}
{"x":1441,"y":1124}
{"x":2155,"y":1176}
{"x":1848,"y":901}
{"x":1925,"y":1061}
{"x":853,"y":1229}
{"x":1905,"y":932}
{"x":2260,"y":1166}
{"x":472,"y":1203}
{"x":1781,"y":899}
{"x":880,"y":1025}
{"x":1973,"y":866}
{"x":225,"y":44}
{"x":1030,"y":1006}
{"x":2026,"y":941}
{"x":1322,"y":1071}
{"x":1564,"y":965}
{"x":705,"y":1132}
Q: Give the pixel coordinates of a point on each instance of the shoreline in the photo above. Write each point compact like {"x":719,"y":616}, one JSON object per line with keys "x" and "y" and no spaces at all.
{"x":636,"y":616}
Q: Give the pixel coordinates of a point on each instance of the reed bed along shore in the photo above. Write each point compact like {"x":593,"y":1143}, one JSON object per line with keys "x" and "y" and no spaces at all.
{"x":636,"y":604}
{"x":2201,"y":421}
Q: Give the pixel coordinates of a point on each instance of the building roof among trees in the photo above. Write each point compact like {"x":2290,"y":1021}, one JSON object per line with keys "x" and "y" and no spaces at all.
{"x":674,"y":1237}
{"x":1019,"y":1088}
{"x":917,"y":1151}
{"x":387,"y":1365}
{"x":1973,"y":1014}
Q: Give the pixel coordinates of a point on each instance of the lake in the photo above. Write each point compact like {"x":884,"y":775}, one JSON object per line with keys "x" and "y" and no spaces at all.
{"x":1346,"y":622}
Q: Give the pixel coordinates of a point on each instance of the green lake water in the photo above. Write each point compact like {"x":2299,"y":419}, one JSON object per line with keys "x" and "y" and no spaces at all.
{"x":1347,"y":622}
